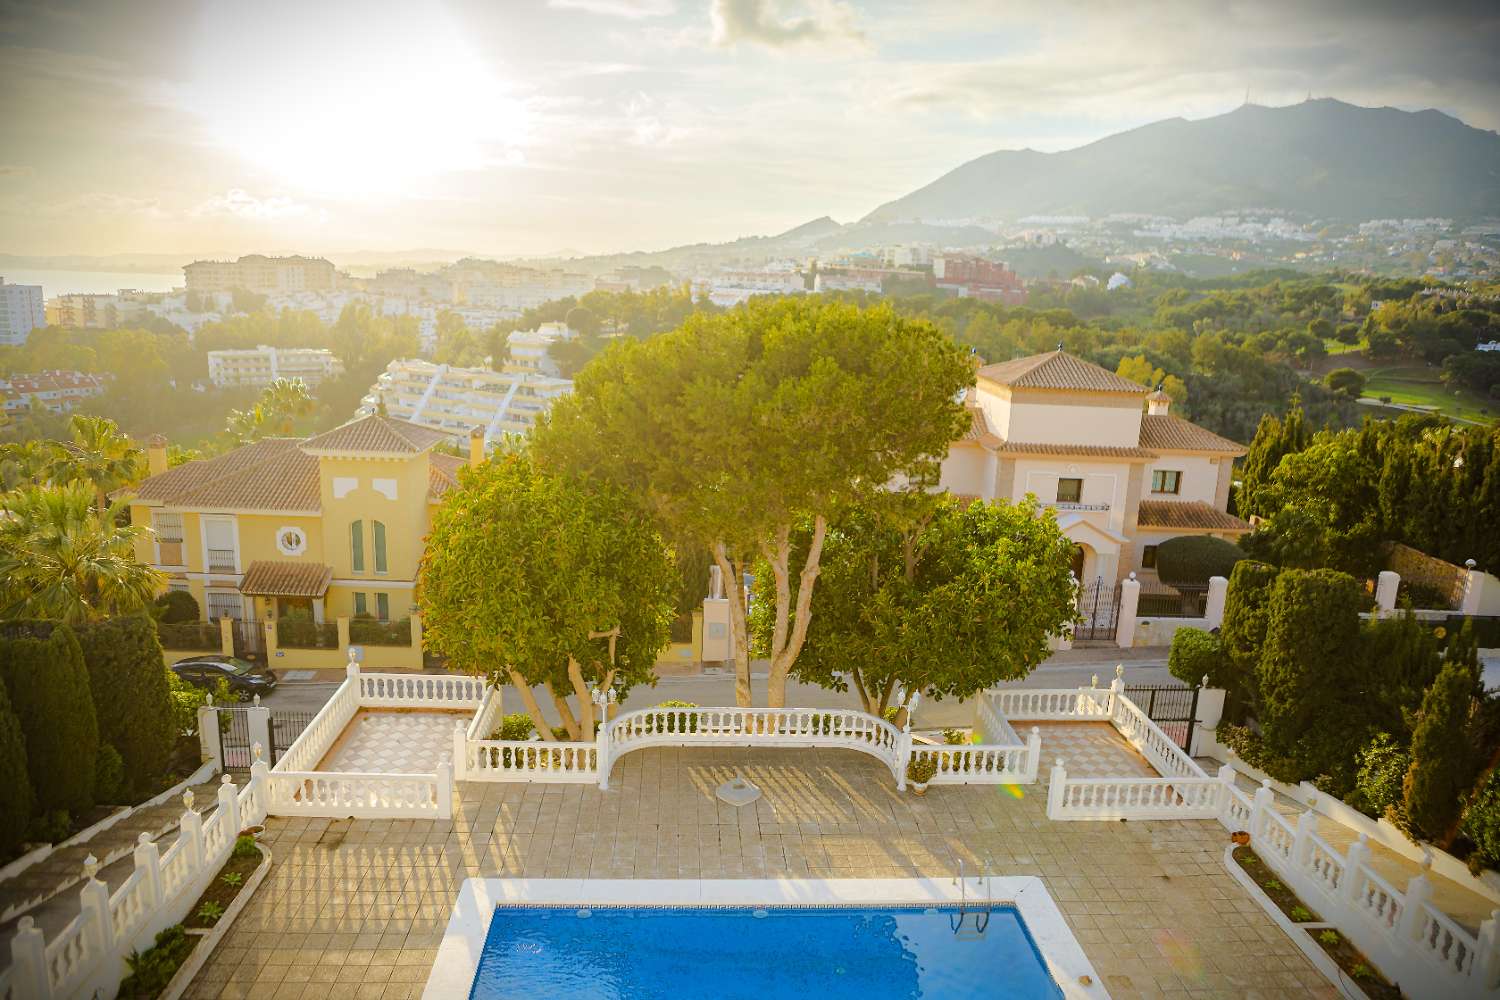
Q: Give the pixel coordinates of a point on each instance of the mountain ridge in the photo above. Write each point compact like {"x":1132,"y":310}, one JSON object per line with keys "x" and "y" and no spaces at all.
{"x":1322,"y":158}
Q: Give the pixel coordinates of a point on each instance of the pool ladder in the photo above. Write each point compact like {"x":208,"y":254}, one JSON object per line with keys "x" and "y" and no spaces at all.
{"x":981,"y":920}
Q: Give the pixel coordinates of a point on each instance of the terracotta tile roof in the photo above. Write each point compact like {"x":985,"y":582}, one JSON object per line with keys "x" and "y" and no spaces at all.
{"x":1079,"y":450}
{"x":273,"y":474}
{"x":442,"y":474}
{"x":1187,"y":514}
{"x":979,"y":428}
{"x":1058,"y":370}
{"x":271,"y":578}
{"x":1169,"y":433}
{"x":375,"y":434}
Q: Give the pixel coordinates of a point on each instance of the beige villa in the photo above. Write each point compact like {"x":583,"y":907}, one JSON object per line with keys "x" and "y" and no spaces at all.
{"x":1122,"y":473}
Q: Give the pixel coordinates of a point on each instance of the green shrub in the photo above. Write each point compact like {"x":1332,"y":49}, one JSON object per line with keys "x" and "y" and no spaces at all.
{"x":153,"y":969}
{"x":1330,"y":938}
{"x":955,"y":737}
{"x":1189,"y":560}
{"x":1197,"y":654}
{"x":1442,"y":760}
{"x":516,"y":726}
{"x":49,"y":689}
{"x":176,"y":607}
{"x":132,"y":698}
{"x":50,"y":826}
{"x":1243,"y":632}
{"x":1481,"y":824}
{"x":919,"y":770}
{"x":16,"y":799}
{"x":210,"y":912}
{"x":1307,"y":669}
{"x":232,"y":878}
{"x":1251,"y":748}
{"x":109,"y":774}
{"x":244,"y":847}
{"x":1382,"y":769}
{"x":1299,"y":914}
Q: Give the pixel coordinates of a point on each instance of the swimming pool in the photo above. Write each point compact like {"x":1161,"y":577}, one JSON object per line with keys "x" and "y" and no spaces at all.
{"x":871,"y":939}
{"x":751,"y":953}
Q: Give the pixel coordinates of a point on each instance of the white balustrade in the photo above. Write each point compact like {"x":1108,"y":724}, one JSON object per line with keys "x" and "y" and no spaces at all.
{"x":977,"y":764}
{"x":420,"y":690}
{"x":1048,"y":704}
{"x":532,"y":760}
{"x":1136,"y":798}
{"x":366,"y":796}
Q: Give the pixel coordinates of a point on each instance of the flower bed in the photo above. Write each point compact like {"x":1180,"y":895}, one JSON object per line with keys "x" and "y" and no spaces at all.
{"x":1345,"y":955}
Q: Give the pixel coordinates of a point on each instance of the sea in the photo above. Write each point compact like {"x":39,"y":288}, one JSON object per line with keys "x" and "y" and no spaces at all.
{"x":93,"y":282}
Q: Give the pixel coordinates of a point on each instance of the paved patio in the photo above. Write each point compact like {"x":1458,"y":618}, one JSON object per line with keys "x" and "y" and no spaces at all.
{"x":356,"y":909}
{"x":394,"y":741}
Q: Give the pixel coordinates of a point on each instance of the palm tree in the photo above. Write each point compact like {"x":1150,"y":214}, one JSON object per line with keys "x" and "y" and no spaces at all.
{"x":26,"y":462}
{"x":62,"y":559}
{"x":99,"y":455}
{"x":280,"y":406}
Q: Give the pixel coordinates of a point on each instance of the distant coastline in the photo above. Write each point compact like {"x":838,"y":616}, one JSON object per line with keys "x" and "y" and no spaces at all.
{"x":64,"y":281}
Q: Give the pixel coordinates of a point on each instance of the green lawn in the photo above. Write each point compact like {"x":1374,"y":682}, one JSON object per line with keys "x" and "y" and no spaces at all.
{"x":1334,"y":346}
{"x":1420,"y":386}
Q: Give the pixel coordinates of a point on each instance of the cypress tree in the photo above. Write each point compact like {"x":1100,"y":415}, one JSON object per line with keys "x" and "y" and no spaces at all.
{"x":49,"y":689}
{"x":16,"y":799}
{"x":1243,"y":630}
{"x":1308,"y":665}
{"x":1442,"y":761}
{"x":132,"y":699}
{"x":1274,"y":440}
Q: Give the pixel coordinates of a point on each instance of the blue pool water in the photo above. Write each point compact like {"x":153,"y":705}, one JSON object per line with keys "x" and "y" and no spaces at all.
{"x":731,"y":953}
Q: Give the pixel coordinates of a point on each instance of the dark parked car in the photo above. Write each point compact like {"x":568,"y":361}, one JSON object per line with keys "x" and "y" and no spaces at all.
{"x":241,"y":675}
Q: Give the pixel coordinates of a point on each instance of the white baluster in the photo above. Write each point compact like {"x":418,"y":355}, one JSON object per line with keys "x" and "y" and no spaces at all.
{"x":1260,"y":809}
{"x":445,"y":791}
{"x":229,"y":807}
{"x":1355,"y":859}
{"x":148,"y":862}
{"x":93,"y":901}
{"x":191,"y":832}
{"x":1033,"y":754}
{"x":1056,"y":786}
{"x":461,"y":751}
{"x":28,"y":952}
{"x":1487,"y":961}
{"x":1307,"y":825}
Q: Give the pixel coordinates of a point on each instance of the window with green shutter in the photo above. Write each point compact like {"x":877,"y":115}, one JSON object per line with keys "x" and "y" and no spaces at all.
{"x":383,"y":607}
{"x":360,"y":607}
{"x":378,"y":530}
{"x":357,"y":546}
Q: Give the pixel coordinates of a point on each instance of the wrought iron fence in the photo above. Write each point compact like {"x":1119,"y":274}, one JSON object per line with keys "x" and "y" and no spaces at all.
{"x":188,"y":635}
{"x":295,"y":633}
{"x":373,"y":632}
{"x":1172,"y":602}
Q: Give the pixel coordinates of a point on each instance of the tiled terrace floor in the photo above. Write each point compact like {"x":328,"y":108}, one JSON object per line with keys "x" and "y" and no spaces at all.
{"x":383,"y":741}
{"x":356,"y":909}
{"x":1088,"y":750}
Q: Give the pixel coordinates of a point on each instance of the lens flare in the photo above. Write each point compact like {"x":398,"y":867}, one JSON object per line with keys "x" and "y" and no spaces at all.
{"x":1014,"y":791}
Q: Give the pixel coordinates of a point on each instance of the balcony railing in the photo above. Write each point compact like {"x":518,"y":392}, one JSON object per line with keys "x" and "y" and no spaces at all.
{"x":1061,"y":505}
{"x":221,"y":560}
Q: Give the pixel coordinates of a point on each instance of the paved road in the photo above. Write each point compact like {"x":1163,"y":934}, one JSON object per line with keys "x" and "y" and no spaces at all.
{"x":718,"y":689}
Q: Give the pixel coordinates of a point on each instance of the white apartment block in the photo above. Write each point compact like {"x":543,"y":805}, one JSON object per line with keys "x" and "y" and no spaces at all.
{"x":730,"y":288}
{"x":58,"y":391}
{"x":1121,"y":478}
{"x":260,"y":366}
{"x":91,"y":311}
{"x":460,"y":401}
{"x":21,"y":311}
{"x":848,"y":281}
{"x":265,"y":275}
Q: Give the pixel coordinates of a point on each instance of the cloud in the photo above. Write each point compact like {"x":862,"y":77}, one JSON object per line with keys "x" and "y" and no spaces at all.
{"x":760,"y":22}
{"x":238,"y":203}
{"x":632,"y":9}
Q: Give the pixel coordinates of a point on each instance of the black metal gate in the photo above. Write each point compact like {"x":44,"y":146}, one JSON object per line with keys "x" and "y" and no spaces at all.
{"x":1099,"y":606}
{"x":285,"y":728}
{"x":234,"y":737}
{"x":1173,"y":707}
{"x":247,"y":639}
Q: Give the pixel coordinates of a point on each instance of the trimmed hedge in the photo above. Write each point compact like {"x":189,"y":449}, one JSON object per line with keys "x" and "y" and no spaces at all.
{"x":132,"y":699}
{"x":16,"y":800}
{"x":177,"y":607}
{"x":1197,"y":654}
{"x":1190,"y":560}
{"x":1246,"y":612}
{"x":49,"y":687}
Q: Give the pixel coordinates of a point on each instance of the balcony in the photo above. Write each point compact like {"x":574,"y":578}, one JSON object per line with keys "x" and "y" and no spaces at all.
{"x":221,"y":561}
{"x":1060,"y":505}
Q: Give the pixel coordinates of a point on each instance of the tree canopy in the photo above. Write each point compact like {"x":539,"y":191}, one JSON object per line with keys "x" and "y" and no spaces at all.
{"x":541,"y":578}
{"x":945,"y":599}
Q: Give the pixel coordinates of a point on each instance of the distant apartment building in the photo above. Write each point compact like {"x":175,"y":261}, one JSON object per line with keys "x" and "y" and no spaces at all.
{"x":58,"y":391}
{"x":21,"y":311}
{"x":976,"y":277}
{"x":258,"y":367}
{"x":632,"y":279}
{"x":408,"y":283}
{"x":264,"y":275}
{"x":95,"y":311}
{"x":850,"y":279}
{"x":731,"y":287}
{"x":459,"y":401}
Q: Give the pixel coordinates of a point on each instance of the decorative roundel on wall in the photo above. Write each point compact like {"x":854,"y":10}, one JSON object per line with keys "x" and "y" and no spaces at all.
{"x":291,"y":541}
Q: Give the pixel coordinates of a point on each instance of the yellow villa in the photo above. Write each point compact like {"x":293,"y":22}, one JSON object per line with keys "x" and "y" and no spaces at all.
{"x":299,"y":548}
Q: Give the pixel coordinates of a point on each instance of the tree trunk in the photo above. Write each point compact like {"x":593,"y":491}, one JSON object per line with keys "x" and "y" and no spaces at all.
{"x":735,"y":594}
{"x":564,"y":712}
{"x":784,"y":658}
{"x":532,"y":708}
{"x":864,"y":695}
{"x":585,"y":699}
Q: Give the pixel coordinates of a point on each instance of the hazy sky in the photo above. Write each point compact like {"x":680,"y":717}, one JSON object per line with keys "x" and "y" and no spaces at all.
{"x":530,"y":126}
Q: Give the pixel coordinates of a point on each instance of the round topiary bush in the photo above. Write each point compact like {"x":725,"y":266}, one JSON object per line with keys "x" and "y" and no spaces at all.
{"x":1189,"y":560}
{"x":177,"y":606}
{"x":1197,"y":654}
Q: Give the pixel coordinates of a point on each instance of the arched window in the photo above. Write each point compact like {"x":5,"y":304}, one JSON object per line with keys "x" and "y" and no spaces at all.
{"x":357,"y":546}
{"x":379,"y":532}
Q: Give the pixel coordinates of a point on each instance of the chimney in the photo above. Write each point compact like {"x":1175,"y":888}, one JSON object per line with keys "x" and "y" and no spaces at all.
{"x":1158,"y":403}
{"x":476,"y":447}
{"x":156,"y":455}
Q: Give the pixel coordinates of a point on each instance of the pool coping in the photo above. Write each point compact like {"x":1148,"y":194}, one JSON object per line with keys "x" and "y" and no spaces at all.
{"x":458,"y":954}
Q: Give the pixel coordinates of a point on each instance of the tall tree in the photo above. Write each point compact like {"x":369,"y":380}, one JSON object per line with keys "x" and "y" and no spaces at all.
{"x":543,"y":579}
{"x":928,"y":594}
{"x":98,"y":454}
{"x":49,"y":688}
{"x":276,"y":412}
{"x":736,"y":428}
{"x":61,"y":559}
{"x":1443,"y":759}
{"x":1274,"y":439}
{"x":16,"y":799}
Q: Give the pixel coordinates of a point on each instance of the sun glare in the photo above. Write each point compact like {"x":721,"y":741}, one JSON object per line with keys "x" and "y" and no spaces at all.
{"x":357,"y":100}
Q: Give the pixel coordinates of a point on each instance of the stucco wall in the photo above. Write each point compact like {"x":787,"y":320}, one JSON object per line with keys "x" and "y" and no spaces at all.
{"x":405,"y":517}
{"x":969,"y":470}
{"x":1200,"y":477}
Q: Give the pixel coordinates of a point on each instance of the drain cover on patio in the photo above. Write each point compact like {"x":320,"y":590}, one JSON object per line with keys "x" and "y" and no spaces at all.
{"x":298,"y":675}
{"x":737,"y":792}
